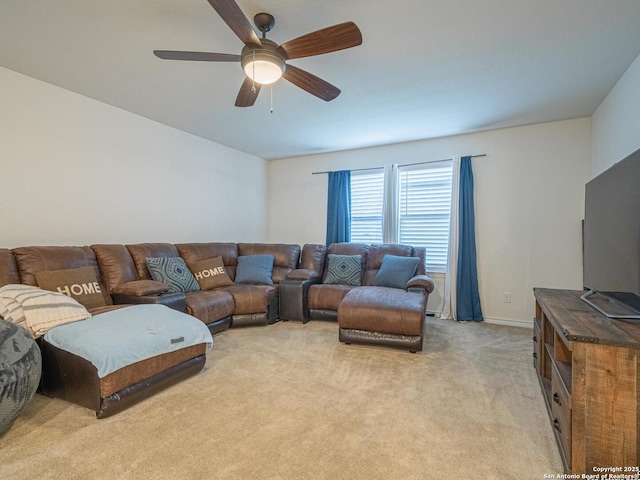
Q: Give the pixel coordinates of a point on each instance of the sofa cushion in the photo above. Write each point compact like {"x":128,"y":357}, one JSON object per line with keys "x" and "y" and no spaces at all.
{"x":210,"y":305}
{"x":139,"y":288}
{"x":8,"y":268}
{"x":327,"y":297}
{"x":343,"y":270}
{"x":34,"y":259}
{"x":313,"y":257}
{"x":383,"y":310}
{"x":255,"y":269}
{"x":396,"y":271}
{"x":116,"y":264}
{"x":210,"y":273}
{"x":79,"y":283}
{"x":249,"y":299}
{"x":141,"y":251}
{"x":285,"y":256}
{"x":173,"y":272}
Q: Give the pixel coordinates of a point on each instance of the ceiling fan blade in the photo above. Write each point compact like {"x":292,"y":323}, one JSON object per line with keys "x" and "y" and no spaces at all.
{"x":230,"y":12}
{"x":326,"y":40}
{"x":310,"y":83}
{"x":247,"y":94}
{"x":196,"y":56}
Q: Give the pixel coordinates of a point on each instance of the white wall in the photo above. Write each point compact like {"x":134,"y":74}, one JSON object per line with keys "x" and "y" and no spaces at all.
{"x":77,"y":171}
{"x":529,"y":204}
{"x":616,"y":122}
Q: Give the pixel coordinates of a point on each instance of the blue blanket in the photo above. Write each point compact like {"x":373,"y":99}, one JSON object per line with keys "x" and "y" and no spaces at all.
{"x":128,"y":335}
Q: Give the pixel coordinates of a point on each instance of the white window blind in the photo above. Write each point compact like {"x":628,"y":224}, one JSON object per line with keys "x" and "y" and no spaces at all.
{"x":425,"y":210}
{"x":367,"y":189}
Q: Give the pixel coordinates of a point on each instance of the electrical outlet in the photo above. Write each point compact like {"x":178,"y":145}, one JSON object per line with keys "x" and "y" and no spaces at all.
{"x":506,"y":297}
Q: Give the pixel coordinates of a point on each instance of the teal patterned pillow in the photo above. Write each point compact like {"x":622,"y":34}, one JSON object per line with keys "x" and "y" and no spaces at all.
{"x":173,"y":272}
{"x":343,"y":269}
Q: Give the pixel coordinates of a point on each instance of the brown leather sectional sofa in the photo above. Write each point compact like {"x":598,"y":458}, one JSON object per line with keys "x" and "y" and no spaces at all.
{"x":297,"y":293}
{"x":124,"y":277}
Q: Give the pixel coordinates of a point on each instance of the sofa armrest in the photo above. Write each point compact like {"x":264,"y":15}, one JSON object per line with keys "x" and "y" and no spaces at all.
{"x":176,"y":301}
{"x":141,"y":287}
{"x":303,"y":275}
{"x":420,"y":282}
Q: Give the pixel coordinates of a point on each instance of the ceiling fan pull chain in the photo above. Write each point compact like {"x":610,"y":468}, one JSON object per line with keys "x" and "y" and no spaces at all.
{"x":253,"y":77}
{"x":271,"y":98}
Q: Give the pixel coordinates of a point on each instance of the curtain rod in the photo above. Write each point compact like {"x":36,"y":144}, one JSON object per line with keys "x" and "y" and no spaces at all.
{"x":403,"y":165}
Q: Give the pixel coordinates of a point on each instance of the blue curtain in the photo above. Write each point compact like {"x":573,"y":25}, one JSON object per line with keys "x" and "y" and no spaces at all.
{"x":339,"y":207}
{"x":467,"y":296}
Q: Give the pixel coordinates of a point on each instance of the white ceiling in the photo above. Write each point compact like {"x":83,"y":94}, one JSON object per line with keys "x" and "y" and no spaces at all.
{"x":426,"y":68}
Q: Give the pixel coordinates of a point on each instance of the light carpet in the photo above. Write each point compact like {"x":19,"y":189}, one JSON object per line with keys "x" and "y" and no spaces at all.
{"x":288,"y":401}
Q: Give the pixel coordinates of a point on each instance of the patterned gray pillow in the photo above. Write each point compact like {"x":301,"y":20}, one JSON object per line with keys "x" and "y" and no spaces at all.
{"x":173,"y":272}
{"x":343,"y":269}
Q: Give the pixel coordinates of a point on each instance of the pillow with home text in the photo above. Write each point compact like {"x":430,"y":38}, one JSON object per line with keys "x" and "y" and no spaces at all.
{"x":79,"y":283}
{"x":210,"y":273}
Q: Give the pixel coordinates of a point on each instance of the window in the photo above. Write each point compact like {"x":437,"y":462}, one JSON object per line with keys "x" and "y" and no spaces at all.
{"x":424,"y":209}
{"x":367,"y":191}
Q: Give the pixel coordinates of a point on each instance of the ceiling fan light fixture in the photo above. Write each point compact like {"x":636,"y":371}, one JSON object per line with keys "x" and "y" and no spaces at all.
{"x":263,"y":65}
{"x":263,"y":72}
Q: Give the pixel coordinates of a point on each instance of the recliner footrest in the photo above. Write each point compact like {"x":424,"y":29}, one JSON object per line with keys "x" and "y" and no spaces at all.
{"x":383,"y":316}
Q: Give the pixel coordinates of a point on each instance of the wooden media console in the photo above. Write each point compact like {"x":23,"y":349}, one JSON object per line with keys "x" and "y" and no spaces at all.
{"x":589,"y":370}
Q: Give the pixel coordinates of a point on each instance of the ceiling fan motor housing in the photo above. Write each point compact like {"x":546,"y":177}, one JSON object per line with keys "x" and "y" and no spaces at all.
{"x":264,"y":21}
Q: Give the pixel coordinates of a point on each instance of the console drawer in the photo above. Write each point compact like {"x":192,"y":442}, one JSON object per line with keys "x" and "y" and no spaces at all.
{"x":560,"y":395}
{"x":537,"y":346}
{"x":561,"y":423}
{"x":561,"y":412}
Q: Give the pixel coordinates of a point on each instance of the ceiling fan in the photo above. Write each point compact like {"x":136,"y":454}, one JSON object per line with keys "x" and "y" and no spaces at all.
{"x":264,"y":62}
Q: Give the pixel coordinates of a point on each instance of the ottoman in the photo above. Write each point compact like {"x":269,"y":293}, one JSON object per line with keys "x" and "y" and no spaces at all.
{"x":383,"y":316}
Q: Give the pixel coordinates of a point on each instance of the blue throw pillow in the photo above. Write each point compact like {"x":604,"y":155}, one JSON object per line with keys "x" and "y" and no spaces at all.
{"x":343,"y":270}
{"x":396,"y":271}
{"x":255,"y":269}
{"x":173,"y":272}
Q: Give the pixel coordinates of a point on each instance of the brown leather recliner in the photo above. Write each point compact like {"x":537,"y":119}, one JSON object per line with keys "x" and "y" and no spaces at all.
{"x":213,"y":308}
{"x":305,"y":296}
{"x":123,"y":282}
{"x":253,"y":304}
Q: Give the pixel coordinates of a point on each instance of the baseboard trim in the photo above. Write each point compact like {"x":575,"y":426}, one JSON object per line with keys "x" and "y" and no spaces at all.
{"x":510,"y":322}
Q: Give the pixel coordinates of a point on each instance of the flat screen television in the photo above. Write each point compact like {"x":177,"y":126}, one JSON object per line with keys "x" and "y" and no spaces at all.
{"x":612,"y":240}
